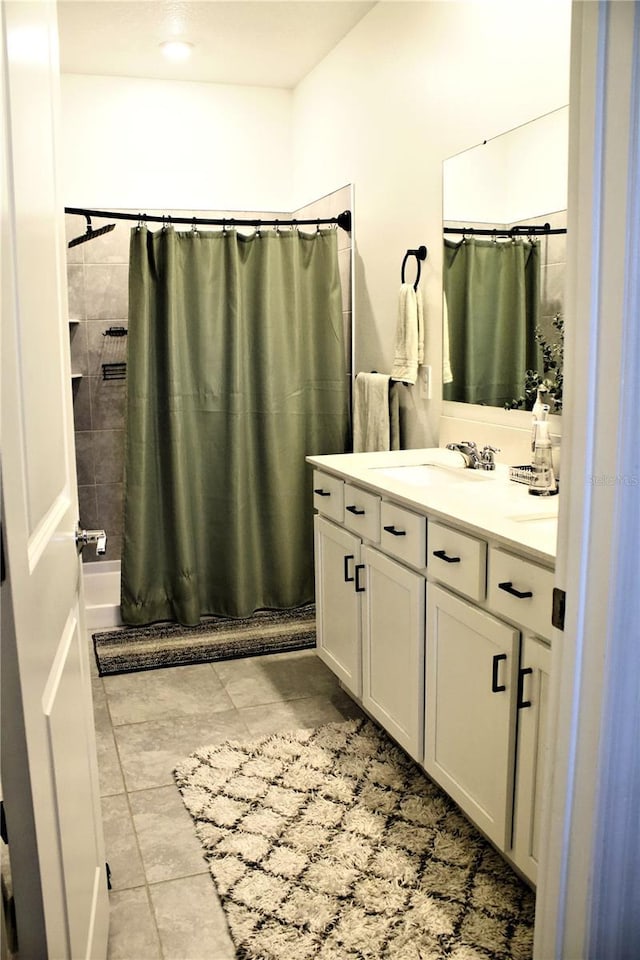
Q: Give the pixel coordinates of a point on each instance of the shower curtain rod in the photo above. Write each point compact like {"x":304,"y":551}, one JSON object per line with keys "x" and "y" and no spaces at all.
{"x":520,"y":230}
{"x":343,"y":219}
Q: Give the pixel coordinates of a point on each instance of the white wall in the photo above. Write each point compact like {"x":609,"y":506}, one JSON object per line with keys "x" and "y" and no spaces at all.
{"x":155,"y":144}
{"x":410,"y":85}
{"x":519,"y":175}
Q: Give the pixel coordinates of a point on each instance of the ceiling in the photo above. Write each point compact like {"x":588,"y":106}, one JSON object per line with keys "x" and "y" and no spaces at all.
{"x":253,"y":42}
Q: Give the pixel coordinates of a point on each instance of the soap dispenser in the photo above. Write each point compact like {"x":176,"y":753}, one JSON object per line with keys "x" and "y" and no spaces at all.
{"x":543,"y":481}
{"x":537,"y":411}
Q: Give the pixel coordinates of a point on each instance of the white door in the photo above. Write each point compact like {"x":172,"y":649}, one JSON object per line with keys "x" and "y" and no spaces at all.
{"x":49,"y":767}
{"x":470,"y":717}
{"x":393,"y":648}
{"x":337,"y":603}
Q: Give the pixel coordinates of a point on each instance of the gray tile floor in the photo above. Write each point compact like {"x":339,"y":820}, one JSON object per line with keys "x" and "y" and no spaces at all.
{"x":163,"y":902}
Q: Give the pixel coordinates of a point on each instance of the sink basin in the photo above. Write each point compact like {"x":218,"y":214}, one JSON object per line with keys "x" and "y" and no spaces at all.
{"x":430,"y":474}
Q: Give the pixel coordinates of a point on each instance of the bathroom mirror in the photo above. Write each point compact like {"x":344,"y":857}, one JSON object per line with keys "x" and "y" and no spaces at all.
{"x":504,"y":220}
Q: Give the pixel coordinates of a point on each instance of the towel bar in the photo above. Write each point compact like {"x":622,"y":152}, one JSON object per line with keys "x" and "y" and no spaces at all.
{"x":393,"y":379}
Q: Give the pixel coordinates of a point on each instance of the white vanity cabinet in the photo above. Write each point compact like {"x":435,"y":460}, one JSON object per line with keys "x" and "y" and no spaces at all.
{"x":370,"y":608}
{"x":439,"y":625}
{"x":486,"y":689}
{"x":393,"y":648}
{"x":533,"y":747}
{"x":338,"y":618}
{"x":470,"y":716}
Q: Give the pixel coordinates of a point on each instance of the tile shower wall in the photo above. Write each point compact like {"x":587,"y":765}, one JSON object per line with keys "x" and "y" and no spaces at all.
{"x":98,"y":299}
{"x":97,"y":274}
{"x":553,"y":268}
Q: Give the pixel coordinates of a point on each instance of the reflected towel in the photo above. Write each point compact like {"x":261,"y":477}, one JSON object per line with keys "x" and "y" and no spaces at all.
{"x":447,"y":373}
{"x":371,"y":421}
{"x":409,"y":350}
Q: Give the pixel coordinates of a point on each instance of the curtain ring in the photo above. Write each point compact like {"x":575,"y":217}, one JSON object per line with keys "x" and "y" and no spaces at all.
{"x":317,"y":227}
{"x":140,"y":222}
{"x":194,"y":229}
{"x":277,"y":228}
{"x":224,"y":226}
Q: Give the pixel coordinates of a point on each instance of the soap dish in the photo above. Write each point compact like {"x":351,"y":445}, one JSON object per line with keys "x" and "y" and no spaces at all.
{"x":521,"y":474}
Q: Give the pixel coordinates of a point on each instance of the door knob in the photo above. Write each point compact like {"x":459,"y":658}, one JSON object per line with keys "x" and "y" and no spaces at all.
{"x":99,"y":537}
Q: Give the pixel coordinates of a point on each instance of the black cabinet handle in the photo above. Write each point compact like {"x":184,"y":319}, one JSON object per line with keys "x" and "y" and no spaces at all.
{"x":322,"y":493}
{"x":525,"y":671}
{"x":508,"y":587}
{"x":442,"y":555}
{"x":353,"y":509}
{"x":359,"y":567}
{"x":347,"y":578}
{"x":495,"y":686}
{"x":396,"y":533}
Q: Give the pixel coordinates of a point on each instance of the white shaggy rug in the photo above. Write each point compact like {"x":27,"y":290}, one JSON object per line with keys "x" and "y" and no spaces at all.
{"x":332,"y":844}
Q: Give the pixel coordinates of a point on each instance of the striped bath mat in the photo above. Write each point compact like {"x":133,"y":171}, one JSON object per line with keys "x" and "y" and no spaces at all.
{"x":215,"y":638}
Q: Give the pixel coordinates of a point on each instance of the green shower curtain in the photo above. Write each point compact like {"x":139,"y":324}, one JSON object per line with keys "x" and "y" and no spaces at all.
{"x":235,"y":372}
{"x":492,"y":295}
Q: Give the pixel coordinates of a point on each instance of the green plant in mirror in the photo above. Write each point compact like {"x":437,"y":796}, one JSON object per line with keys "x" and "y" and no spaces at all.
{"x":552,"y":372}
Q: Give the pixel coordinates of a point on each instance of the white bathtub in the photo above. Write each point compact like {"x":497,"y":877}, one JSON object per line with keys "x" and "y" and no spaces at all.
{"x":102,"y":594}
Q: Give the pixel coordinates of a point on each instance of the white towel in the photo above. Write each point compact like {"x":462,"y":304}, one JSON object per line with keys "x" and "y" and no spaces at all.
{"x":447,"y":373}
{"x":371,"y":424}
{"x":409,"y":351}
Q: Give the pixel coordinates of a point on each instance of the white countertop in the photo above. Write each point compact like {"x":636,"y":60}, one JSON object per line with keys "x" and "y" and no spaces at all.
{"x":485,"y":502}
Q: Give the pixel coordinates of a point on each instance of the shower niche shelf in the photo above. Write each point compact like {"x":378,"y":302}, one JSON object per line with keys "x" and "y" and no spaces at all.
{"x":114,"y":371}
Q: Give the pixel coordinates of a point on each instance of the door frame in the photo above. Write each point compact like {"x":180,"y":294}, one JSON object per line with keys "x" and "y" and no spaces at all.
{"x":589,"y":871}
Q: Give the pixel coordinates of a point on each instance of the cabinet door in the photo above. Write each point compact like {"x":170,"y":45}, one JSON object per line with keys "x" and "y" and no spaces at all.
{"x":533,"y":745}
{"x":471,"y":679}
{"x":337,"y":604}
{"x":393,"y":649}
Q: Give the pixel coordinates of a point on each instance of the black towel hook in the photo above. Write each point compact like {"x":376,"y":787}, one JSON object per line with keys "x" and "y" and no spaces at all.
{"x":420,"y":254}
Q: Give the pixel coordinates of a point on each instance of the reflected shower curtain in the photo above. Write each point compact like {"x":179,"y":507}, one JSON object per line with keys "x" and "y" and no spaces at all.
{"x":492,"y":294}
{"x":236,"y":372}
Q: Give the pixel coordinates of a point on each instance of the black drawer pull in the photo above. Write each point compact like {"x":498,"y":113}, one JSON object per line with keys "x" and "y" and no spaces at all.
{"x":347,"y":578}
{"x":353,"y":509}
{"x":508,"y":587}
{"x":322,"y":493}
{"x":359,"y":567}
{"x":442,"y":555}
{"x":396,"y":533}
{"x":521,"y":675}
{"x":495,"y":686}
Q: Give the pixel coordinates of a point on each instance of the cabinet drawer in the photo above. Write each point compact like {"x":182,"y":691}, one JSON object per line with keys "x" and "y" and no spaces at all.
{"x":403,"y":534}
{"x":458,"y":560}
{"x":520,"y":591}
{"x":328,"y":495}
{"x":362,"y":512}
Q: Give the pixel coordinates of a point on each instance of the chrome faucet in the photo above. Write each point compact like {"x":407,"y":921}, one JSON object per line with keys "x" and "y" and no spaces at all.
{"x":473,"y":459}
{"x":487,"y":461}
{"x":469,"y":451}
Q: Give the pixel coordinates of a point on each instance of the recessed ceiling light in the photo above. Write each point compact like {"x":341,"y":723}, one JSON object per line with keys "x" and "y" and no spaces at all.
{"x":176,"y":49}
